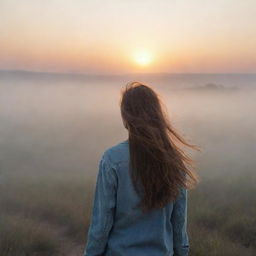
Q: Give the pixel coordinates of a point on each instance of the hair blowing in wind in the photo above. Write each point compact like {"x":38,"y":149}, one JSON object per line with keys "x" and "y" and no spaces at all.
{"x":158,"y":165}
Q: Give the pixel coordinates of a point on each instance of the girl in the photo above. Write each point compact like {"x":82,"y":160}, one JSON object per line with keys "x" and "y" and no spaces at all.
{"x":140,"y":200}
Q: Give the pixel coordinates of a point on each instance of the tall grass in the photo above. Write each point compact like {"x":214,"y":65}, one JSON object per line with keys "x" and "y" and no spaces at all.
{"x":49,"y":162}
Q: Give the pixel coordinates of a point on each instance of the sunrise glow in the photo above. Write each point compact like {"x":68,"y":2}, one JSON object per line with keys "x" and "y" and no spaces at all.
{"x":128,"y":36}
{"x":143,"y":58}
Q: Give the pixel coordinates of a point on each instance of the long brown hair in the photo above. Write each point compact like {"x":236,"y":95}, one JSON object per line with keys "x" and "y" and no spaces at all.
{"x":156,"y":161}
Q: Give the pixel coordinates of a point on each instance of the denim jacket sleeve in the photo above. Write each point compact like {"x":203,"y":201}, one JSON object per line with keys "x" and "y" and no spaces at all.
{"x":179,"y":223}
{"x":102,"y":216}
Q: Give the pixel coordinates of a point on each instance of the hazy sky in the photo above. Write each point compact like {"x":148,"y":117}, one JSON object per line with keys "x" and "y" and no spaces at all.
{"x":120,"y":36}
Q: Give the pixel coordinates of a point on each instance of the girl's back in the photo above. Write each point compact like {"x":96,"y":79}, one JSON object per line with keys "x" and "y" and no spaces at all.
{"x":119,"y":228}
{"x":140,"y":201}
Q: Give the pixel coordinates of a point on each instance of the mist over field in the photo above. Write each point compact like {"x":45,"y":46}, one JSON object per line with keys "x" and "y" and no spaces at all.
{"x":54,"y":129}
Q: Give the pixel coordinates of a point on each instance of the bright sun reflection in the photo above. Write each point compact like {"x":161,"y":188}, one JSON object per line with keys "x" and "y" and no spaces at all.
{"x":143,"y":58}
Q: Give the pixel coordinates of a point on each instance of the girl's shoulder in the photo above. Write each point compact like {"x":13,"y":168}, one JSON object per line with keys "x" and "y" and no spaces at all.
{"x":117,"y":153}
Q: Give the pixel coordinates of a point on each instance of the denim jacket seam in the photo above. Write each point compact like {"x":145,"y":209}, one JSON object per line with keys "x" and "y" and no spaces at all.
{"x":110,"y":163}
{"x":108,"y":214}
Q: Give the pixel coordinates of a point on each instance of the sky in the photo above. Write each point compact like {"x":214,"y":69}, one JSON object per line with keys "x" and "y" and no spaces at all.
{"x":123,"y":36}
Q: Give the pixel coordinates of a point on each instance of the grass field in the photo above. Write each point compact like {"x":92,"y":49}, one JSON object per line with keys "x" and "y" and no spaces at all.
{"x":51,"y":141}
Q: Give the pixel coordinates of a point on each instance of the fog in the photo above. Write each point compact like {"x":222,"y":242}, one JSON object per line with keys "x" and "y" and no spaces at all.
{"x":56,"y":130}
{"x":58,"y":126}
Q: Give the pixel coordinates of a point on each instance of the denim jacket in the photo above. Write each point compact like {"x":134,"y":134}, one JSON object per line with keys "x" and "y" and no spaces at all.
{"x":119,"y":228}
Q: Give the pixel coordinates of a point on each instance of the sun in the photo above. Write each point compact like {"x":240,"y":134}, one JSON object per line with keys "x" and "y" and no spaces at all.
{"x":143,"y":58}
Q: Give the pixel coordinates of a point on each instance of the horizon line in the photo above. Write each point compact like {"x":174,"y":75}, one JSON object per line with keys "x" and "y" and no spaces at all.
{"x":125,"y":74}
